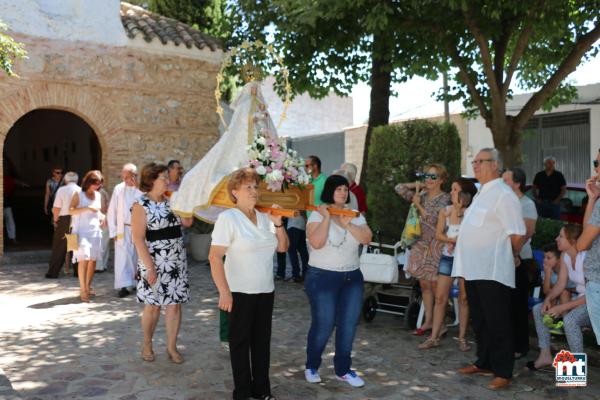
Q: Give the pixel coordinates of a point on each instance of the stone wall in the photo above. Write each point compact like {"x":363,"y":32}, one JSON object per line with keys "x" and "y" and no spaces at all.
{"x":142,"y":106}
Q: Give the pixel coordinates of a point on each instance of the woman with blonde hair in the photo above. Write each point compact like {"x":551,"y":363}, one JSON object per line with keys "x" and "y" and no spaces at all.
{"x":86,"y":223}
{"x":424,"y":259}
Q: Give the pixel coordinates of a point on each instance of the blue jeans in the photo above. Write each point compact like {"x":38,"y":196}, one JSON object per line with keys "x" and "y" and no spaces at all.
{"x":335,"y":301}
{"x":297,"y":245}
{"x":592,"y":299}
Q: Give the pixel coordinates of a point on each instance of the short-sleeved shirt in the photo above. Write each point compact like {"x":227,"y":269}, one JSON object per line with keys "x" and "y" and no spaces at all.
{"x":591,"y":264}
{"x":340,"y":252}
{"x":549,"y":185}
{"x":483,"y":249}
{"x":318,"y":183}
{"x":529,"y":212}
{"x":250,"y":250}
{"x":63,"y":197}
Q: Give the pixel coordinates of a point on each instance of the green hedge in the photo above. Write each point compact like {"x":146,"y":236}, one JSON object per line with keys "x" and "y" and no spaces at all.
{"x":546,"y":231}
{"x":395,"y":154}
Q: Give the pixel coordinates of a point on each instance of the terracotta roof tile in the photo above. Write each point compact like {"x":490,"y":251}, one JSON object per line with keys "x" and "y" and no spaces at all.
{"x":138,"y":21}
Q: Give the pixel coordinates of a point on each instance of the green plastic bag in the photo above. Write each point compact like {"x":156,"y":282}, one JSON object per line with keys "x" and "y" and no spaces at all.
{"x":412,"y":228}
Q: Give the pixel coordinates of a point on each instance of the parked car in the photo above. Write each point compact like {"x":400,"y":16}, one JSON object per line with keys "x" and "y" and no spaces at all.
{"x":572,"y":206}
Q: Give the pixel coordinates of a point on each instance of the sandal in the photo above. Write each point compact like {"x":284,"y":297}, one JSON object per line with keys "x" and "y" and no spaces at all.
{"x":83,"y":295}
{"x":149,"y":357}
{"x":463,"y":345}
{"x":429,"y":344}
{"x":176,"y":358}
{"x":92,"y":292}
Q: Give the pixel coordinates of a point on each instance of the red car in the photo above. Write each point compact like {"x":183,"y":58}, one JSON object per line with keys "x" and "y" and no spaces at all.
{"x":572,"y":206}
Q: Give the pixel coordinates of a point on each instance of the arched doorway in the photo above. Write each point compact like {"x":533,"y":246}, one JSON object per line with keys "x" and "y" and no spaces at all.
{"x":40,"y":141}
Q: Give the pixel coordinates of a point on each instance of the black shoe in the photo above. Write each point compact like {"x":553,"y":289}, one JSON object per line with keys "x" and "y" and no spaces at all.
{"x":123,"y":292}
{"x":298,"y":279}
{"x":264,"y":397}
{"x":48,"y":276}
{"x":99,"y":271}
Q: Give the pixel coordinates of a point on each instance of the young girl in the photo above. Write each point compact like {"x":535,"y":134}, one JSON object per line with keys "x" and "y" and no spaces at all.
{"x":448,"y":225}
{"x":574,"y":312}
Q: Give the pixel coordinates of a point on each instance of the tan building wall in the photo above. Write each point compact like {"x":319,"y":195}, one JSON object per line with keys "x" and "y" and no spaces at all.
{"x":142,"y":106}
{"x":355,"y":140}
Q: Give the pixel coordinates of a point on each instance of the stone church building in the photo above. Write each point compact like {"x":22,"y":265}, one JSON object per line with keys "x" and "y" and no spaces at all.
{"x":105,"y":83}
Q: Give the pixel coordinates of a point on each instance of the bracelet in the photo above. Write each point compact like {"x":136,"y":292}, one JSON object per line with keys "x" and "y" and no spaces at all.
{"x":278,"y":226}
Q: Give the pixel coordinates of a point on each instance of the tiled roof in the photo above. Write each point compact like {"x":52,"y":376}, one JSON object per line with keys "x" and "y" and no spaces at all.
{"x":138,"y":21}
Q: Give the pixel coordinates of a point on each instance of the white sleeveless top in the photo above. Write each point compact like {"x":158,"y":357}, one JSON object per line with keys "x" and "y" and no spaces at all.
{"x":576,"y":275}
{"x":451,"y":232}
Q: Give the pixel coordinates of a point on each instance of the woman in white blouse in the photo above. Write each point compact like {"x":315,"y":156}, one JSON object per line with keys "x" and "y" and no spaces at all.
{"x":333,"y":282}
{"x":249,"y":240}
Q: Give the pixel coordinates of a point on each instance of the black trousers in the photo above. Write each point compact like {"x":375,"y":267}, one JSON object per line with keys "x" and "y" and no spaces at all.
{"x":59,"y":246}
{"x":520,"y":308}
{"x":490,"y":309}
{"x":250,"y":343}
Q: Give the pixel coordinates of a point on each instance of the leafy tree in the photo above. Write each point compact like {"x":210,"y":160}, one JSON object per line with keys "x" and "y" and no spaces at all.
{"x":490,"y":43}
{"x":333,"y":45}
{"x":9,"y":51}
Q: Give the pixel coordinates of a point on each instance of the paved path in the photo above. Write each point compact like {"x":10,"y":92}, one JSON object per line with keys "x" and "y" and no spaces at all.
{"x":54,"y":347}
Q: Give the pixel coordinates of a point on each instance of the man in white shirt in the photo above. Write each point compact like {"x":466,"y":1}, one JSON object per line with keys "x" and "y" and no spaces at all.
{"x":119,"y":227}
{"x":489,"y":240}
{"x":62,"y":222}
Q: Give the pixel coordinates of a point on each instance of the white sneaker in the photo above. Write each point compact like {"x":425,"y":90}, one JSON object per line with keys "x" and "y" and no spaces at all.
{"x":353,"y":379}
{"x":312,"y":376}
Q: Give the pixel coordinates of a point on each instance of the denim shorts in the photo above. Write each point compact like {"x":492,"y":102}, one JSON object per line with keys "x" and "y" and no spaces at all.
{"x":446,"y":265}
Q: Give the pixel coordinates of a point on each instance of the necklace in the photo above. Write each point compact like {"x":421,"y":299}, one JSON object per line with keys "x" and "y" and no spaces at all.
{"x":337,"y":246}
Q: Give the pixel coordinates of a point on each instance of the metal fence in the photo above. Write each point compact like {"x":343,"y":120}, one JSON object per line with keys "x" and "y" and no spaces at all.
{"x":564,"y":136}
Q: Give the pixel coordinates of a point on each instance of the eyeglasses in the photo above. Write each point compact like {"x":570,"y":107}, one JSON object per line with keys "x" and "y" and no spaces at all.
{"x":595,"y":162}
{"x":433,"y":177}
{"x":479,"y":162}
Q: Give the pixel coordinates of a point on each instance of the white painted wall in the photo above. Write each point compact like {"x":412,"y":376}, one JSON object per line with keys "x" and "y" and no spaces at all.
{"x":96,"y":21}
{"x":307,"y":116}
{"x":479,"y":136}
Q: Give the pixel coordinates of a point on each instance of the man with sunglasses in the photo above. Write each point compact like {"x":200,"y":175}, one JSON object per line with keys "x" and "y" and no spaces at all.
{"x":549,"y":186}
{"x":119,"y":227}
{"x":52,"y":185}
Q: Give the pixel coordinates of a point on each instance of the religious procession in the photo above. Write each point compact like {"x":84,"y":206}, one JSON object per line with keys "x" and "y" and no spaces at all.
{"x":218,"y":225}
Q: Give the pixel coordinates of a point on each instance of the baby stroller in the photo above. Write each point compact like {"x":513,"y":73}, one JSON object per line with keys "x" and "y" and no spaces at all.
{"x":402,"y":297}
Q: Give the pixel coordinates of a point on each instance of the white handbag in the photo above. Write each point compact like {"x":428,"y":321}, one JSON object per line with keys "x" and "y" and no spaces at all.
{"x":378,"y":268}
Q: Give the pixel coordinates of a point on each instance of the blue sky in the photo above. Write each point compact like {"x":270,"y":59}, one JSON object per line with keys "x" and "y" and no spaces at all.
{"x":415,"y":96}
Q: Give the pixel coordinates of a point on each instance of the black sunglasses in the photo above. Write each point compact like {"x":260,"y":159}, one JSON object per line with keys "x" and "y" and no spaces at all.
{"x":595,"y":162}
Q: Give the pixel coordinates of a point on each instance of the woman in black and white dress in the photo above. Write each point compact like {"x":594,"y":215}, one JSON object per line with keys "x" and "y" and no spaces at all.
{"x":162,"y":263}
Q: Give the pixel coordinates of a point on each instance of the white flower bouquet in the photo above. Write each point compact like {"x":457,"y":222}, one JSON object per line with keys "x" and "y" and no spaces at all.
{"x":277,"y":165}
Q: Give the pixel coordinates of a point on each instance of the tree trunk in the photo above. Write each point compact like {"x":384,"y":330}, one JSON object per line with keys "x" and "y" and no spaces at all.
{"x":379,"y":111}
{"x":507,"y":139}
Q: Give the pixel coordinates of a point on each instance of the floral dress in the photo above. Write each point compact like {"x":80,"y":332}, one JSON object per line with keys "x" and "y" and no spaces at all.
{"x":165,"y":245}
{"x":424,"y":259}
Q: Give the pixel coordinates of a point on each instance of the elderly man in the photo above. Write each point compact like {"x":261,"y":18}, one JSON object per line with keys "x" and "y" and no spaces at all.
{"x":119,"y":227}
{"x":358,"y":192}
{"x":489,"y":242}
{"x":62,"y":222}
{"x":549,"y":186}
